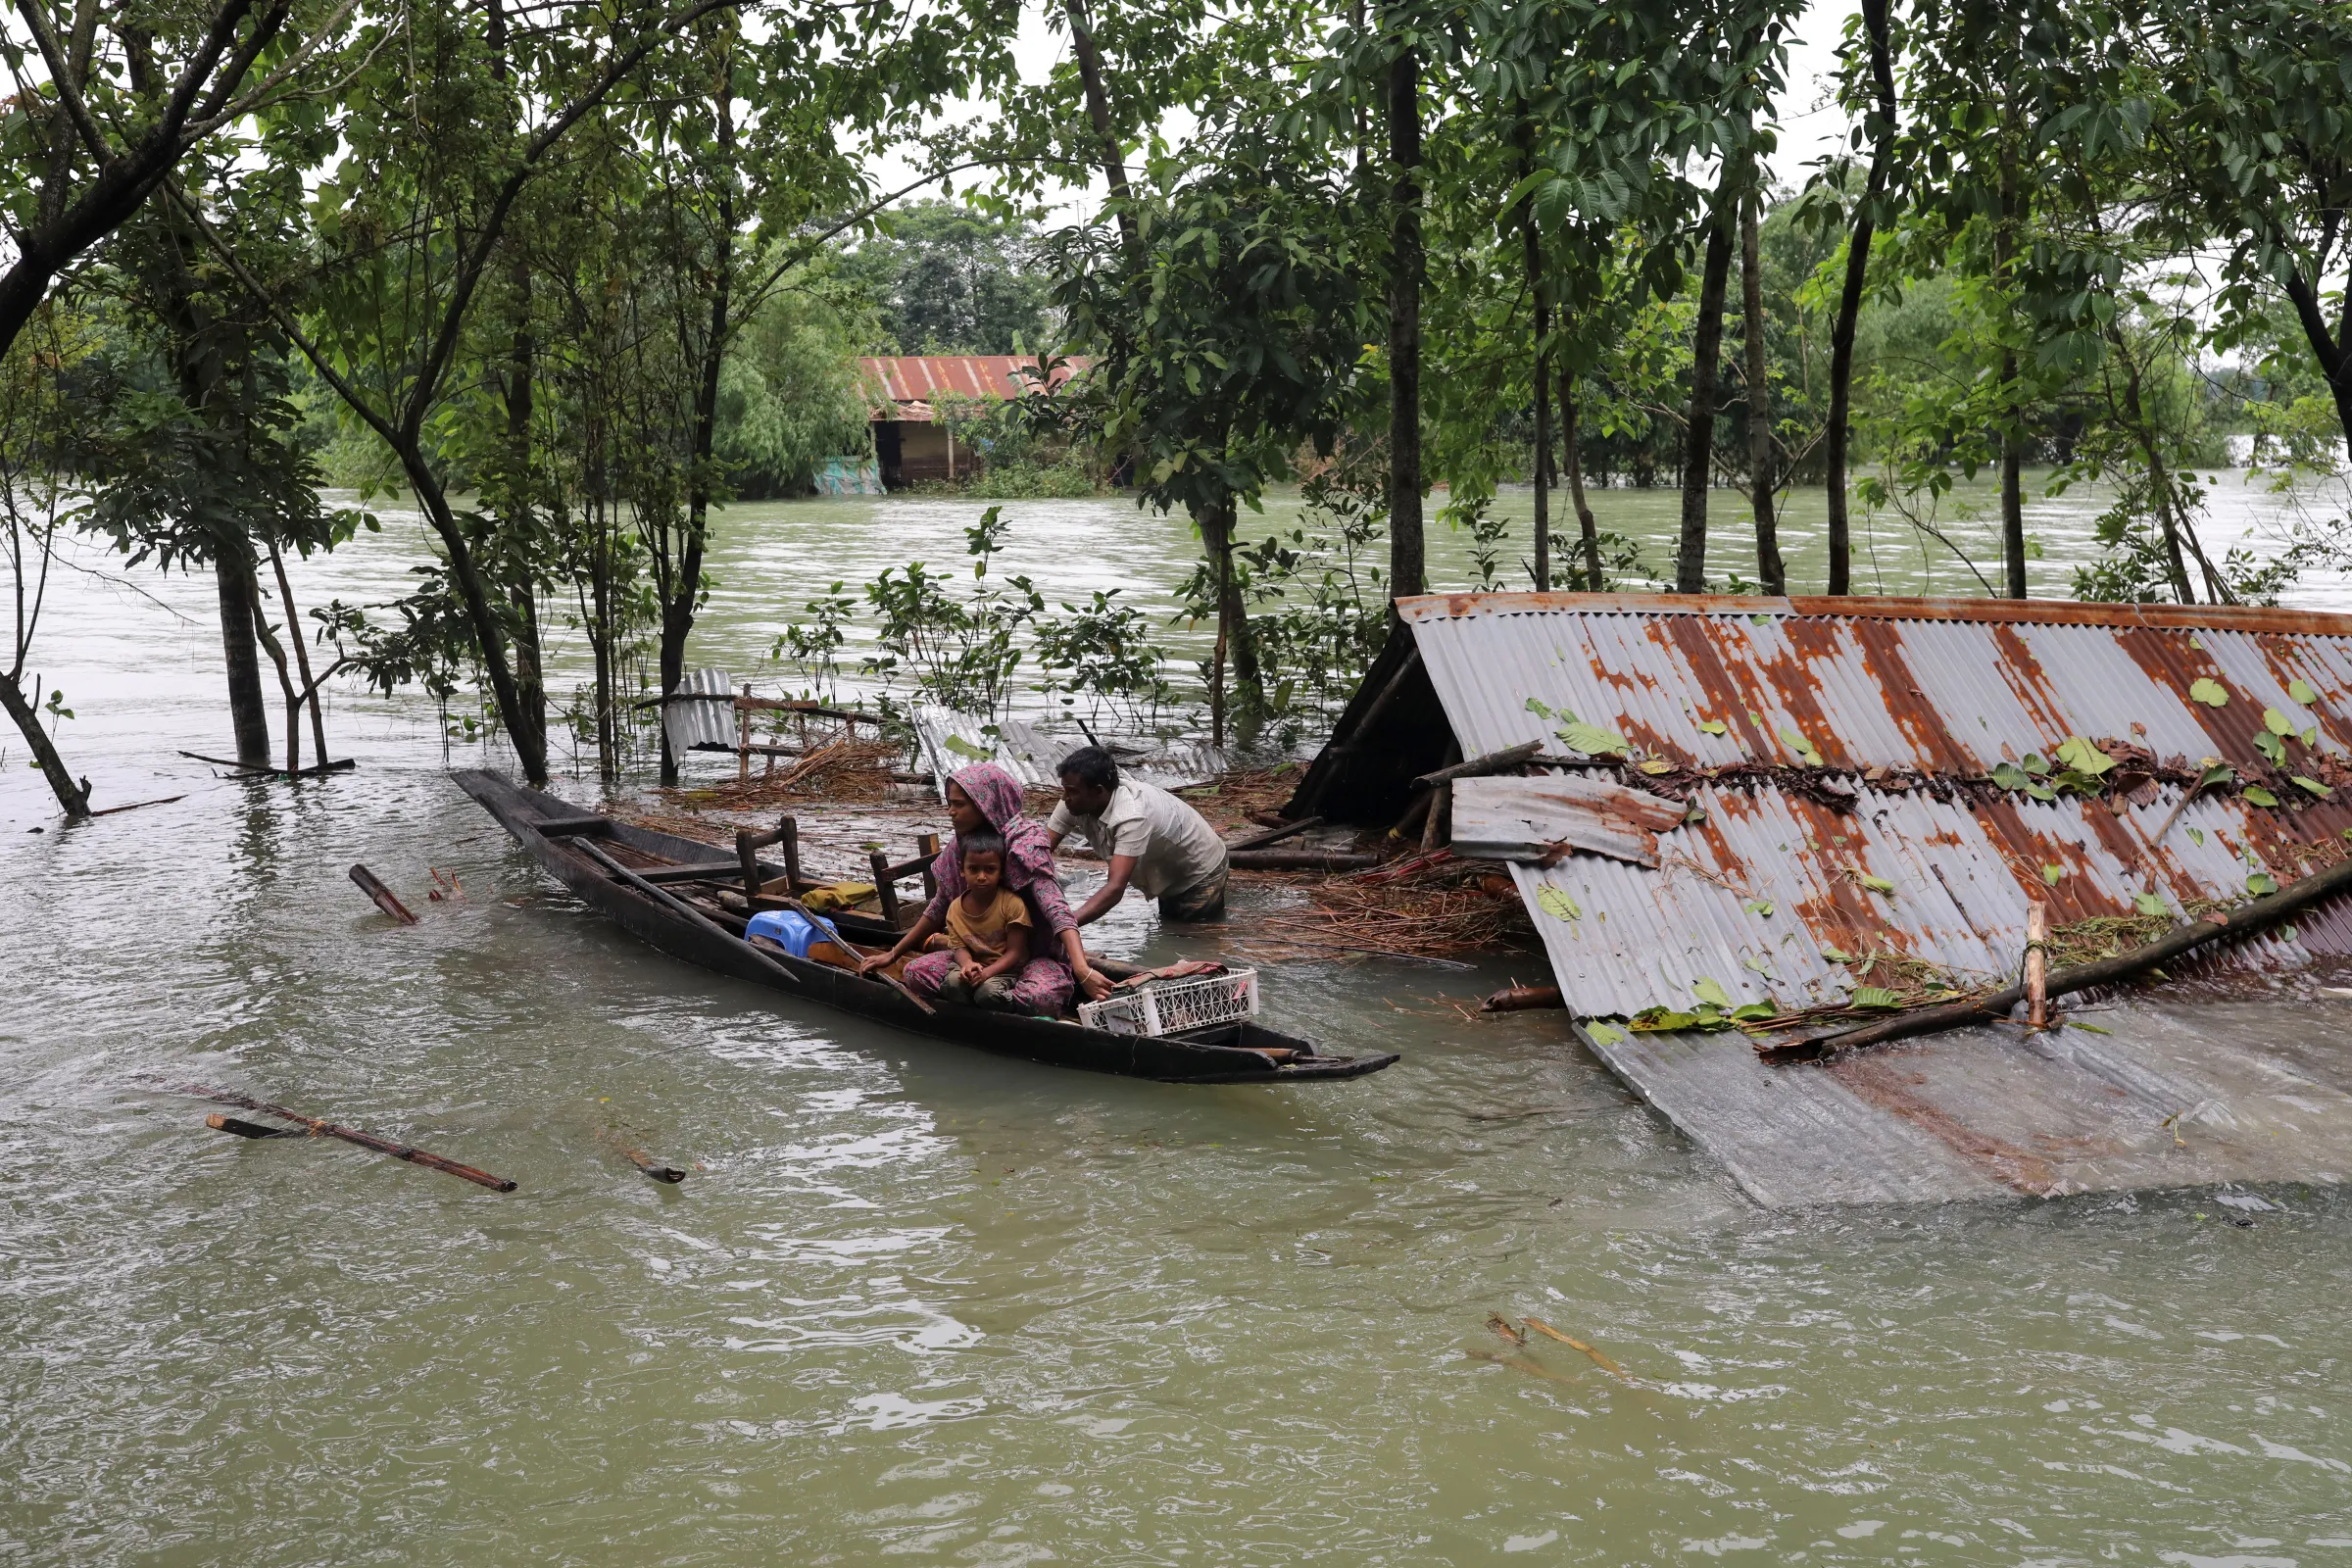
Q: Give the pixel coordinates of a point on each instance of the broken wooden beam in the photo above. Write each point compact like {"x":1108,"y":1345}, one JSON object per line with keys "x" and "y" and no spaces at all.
{"x":1521,"y":999}
{"x":1274,"y":835}
{"x":1502,"y":761}
{"x":383,"y":895}
{"x":1298,"y":860}
{"x":2247,"y":920}
{"x":341,"y":764}
{"x":321,"y":1128}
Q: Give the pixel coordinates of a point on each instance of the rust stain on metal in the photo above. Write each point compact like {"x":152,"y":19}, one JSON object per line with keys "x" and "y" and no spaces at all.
{"x":1884,"y":1082}
{"x":1881,"y":646}
{"x":1728,"y":698}
{"x":1793,"y":683}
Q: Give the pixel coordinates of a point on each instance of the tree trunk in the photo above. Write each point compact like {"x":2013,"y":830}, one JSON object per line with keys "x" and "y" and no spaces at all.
{"x":1706,"y":353}
{"x":677,"y":611}
{"x":1406,"y":569}
{"x":2004,"y":255}
{"x":526,"y":725}
{"x":285,"y":685}
{"x":1588,"y":531}
{"x":2332,"y":353}
{"x":74,"y":797}
{"x":1761,"y":476}
{"x":1232,"y":618}
{"x":302,"y":654}
{"x":1850,"y":297}
{"x":248,"y":713}
{"x":2160,"y":476}
{"x":1542,"y":465}
{"x":1098,"y":111}
{"x":2013,"y":497}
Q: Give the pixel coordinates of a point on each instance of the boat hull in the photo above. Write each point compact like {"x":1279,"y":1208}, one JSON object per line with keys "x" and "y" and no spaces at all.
{"x":678,"y":929}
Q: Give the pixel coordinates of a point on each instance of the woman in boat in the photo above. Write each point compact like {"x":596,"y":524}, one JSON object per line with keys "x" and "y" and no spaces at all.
{"x":985,"y":799}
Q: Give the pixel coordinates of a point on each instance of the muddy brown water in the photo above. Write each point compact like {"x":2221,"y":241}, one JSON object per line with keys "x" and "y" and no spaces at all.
{"x":921,"y":1304}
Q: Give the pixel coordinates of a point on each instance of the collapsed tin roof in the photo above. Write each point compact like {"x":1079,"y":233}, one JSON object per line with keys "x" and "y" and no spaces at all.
{"x":1859,"y":777}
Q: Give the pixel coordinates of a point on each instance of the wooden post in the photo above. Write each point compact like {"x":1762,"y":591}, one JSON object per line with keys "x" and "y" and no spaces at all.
{"x":1441,"y":809}
{"x":887,"y":888}
{"x":928,"y":846}
{"x":2037,"y":1001}
{"x":746,"y":855}
{"x":788,"y":832}
{"x":742,"y":737}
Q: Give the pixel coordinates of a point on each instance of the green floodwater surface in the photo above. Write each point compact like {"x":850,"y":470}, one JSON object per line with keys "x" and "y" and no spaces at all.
{"x":920,"y":1305}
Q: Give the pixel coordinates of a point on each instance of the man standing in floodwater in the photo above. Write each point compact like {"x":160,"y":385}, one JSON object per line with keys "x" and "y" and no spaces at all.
{"x":1154,"y":842}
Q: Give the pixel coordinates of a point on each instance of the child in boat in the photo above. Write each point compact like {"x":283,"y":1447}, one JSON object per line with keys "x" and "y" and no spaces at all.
{"x":988,"y":931}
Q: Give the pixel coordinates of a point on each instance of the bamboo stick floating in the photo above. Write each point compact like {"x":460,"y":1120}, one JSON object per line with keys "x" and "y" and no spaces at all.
{"x":383,"y":895}
{"x":319,"y":1128}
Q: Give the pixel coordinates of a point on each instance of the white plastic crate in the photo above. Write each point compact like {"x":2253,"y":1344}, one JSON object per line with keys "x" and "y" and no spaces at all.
{"x":1168,"y":1006}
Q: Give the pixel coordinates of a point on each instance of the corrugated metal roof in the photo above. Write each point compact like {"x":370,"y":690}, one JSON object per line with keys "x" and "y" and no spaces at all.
{"x":1941,"y":685}
{"x":1944,"y":687}
{"x":948,"y":740}
{"x":909,"y":381}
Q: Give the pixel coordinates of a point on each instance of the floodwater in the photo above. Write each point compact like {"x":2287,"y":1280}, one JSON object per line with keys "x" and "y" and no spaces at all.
{"x":919,"y":1304}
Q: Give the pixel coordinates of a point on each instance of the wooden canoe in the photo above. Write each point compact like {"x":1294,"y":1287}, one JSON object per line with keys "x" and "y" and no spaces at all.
{"x":604,"y":862}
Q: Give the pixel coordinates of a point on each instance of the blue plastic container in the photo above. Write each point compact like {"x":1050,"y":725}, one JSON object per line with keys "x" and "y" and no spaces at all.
{"x":790,"y":930}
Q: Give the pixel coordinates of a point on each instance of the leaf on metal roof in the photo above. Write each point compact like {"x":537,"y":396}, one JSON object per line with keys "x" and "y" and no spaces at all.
{"x":1758,"y":906}
{"x":2196,"y":836}
{"x":2208,"y":691}
{"x":2053,"y":874}
{"x":1802,"y":746}
{"x":1873,"y":997}
{"x":1591,"y":739}
{"x":2215,"y":773}
{"x":1555,"y":903}
{"x":2259,"y":796}
{"x":2041,"y":792}
{"x":1538,"y":707}
{"x":1714,"y":727}
{"x":1655,"y":766}
{"x":2082,"y":756}
{"x":2277,"y":723}
{"x":2148,"y":904}
{"x":1708,"y":989}
{"x":2262,"y":884}
{"x":2009,"y":776}
{"x":2300,"y":689}
{"x":1875,"y":884}
{"x":2314,"y":786}
{"x":1602,"y":1034}
{"x":963,"y":748}
{"x":2311,"y":737}
{"x":1759,"y":965}
{"x":1836,"y":956}
{"x":2272,"y":747}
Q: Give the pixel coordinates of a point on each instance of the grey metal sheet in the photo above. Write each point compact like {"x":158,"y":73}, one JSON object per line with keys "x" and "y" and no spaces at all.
{"x":948,"y":740}
{"x":1789,"y":1138}
{"x":1535,"y":818}
{"x":702,"y":725}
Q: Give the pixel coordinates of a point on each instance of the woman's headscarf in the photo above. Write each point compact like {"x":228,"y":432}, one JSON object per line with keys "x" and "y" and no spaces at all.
{"x":1028,"y":849}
